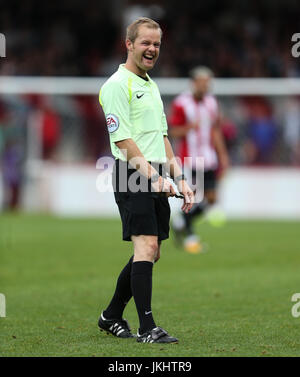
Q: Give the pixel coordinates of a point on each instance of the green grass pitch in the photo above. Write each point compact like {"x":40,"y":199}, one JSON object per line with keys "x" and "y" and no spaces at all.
{"x":57,"y":274}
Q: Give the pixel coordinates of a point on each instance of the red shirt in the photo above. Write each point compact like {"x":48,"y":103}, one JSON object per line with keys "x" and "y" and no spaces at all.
{"x":198,"y":142}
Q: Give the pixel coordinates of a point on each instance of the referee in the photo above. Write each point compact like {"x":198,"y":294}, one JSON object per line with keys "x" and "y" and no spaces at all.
{"x":137,"y":128}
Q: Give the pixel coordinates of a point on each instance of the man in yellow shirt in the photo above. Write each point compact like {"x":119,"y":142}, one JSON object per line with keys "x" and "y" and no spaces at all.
{"x":139,"y":142}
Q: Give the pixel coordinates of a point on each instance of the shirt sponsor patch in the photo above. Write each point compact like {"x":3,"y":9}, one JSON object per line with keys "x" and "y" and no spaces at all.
{"x":112,"y":122}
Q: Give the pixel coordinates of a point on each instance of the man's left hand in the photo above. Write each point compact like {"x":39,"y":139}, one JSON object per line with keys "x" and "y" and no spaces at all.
{"x":188,"y":194}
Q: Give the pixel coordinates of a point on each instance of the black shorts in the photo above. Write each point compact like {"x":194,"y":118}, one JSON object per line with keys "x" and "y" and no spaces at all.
{"x":210,"y":179}
{"x":142,"y":213}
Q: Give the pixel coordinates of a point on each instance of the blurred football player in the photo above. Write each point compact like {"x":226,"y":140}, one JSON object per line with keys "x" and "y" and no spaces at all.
{"x":195,"y":123}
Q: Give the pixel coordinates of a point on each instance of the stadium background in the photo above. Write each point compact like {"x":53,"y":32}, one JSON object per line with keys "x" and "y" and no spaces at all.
{"x":43,"y":133}
{"x":52,"y":132}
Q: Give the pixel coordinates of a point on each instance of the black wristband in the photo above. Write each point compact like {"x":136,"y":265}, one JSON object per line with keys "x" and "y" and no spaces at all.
{"x":179,"y":178}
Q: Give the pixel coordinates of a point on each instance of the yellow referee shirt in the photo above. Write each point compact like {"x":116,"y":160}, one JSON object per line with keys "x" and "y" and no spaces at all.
{"x":133,"y":109}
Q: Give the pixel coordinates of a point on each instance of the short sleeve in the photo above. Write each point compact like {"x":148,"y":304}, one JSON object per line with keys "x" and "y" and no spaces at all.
{"x":115,"y":103}
{"x":164,"y":124}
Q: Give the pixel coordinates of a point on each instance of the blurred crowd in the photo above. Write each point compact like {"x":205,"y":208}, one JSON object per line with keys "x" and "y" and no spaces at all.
{"x":258,"y":131}
{"x":74,"y":38}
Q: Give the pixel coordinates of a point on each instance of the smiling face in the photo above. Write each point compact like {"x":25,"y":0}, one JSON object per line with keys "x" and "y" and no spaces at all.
{"x":144,"y":50}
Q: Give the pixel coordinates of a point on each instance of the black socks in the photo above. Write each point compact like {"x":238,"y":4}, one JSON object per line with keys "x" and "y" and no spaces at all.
{"x":122,"y":294}
{"x":134,"y":280}
{"x":141,"y":285}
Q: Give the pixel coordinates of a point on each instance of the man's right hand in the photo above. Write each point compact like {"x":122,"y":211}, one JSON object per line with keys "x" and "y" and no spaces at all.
{"x":163,"y":185}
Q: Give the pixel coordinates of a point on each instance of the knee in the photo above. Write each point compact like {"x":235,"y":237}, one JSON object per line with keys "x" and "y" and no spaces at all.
{"x":157,"y":255}
{"x":151,"y":250}
{"x":146,"y":250}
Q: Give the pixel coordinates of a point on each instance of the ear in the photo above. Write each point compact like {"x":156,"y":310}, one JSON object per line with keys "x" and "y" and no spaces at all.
{"x":129,"y":44}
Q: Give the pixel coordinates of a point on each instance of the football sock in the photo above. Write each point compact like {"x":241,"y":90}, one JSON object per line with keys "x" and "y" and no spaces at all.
{"x":122,"y":294}
{"x":197,"y":209}
{"x":141,"y":285}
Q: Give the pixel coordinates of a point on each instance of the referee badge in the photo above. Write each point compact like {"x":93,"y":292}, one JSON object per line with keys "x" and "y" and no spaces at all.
{"x":112,"y":122}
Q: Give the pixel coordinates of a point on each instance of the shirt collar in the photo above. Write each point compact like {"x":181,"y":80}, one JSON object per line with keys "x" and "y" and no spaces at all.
{"x":135,"y":77}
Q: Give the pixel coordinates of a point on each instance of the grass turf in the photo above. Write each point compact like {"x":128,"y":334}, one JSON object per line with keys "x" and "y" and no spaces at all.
{"x":57,"y":274}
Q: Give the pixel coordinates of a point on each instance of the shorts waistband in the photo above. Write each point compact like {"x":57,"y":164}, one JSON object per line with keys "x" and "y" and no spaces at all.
{"x":159,"y":167}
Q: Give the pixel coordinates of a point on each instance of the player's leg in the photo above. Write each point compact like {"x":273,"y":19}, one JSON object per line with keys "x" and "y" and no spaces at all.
{"x":197,"y":210}
{"x":192,"y":243}
{"x":145,"y":251}
{"x":122,"y":293}
{"x":182,"y":223}
{"x":200,"y":207}
{"x":111,"y":318}
{"x":142,"y":226}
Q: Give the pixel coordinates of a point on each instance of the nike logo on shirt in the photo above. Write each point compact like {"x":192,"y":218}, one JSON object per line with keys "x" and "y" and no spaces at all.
{"x":139,"y":96}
